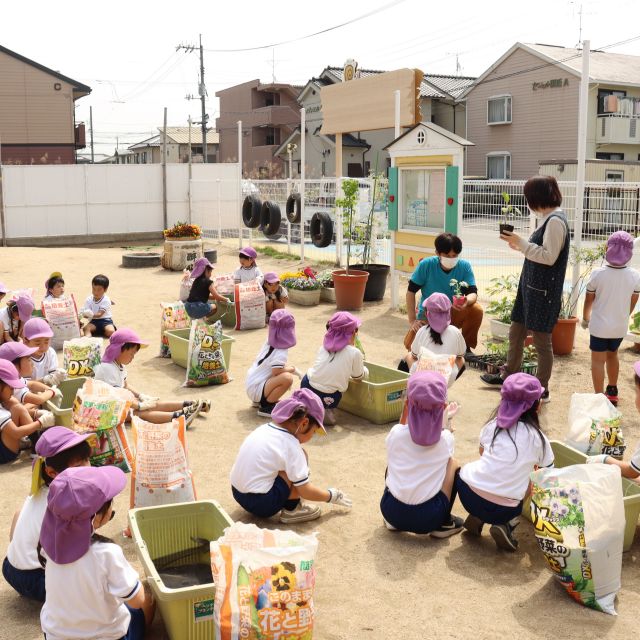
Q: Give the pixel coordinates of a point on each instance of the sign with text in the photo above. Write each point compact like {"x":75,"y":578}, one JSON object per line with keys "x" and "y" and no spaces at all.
{"x":557,"y":83}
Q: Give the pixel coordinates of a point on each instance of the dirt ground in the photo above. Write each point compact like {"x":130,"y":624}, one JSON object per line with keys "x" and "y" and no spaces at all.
{"x":371,"y":583}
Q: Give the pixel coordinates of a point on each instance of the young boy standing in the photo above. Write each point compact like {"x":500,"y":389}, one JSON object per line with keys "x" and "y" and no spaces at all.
{"x":612,"y":294}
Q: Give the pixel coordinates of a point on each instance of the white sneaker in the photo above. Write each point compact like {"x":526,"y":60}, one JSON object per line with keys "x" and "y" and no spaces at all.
{"x":389,"y":526}
{"x":329,"y":417}
{"x":190,"y":412}
{"x":302,"y":513}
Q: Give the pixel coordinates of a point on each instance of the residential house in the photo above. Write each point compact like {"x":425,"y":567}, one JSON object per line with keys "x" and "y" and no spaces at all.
{"x":149,"y":151}
{"x":523,"y":110}
{"x":269,"y":113}
{"x":37,"y":121}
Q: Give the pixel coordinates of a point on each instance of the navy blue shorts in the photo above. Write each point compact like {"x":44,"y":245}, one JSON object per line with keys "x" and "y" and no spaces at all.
{"x":101,"y":324}
{"x":329,"y":400}
{"x":28,"y":583}
{"x":416,"y":518}
{"x":482,"y":508}
{"x":137,"y":625}
{"x":198,"y":310}
{"x":6,"y":455}
{"x":265,"y":505}
{"x":604,"y":344}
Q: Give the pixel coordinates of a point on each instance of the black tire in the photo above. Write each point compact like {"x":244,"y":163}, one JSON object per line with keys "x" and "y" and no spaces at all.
{"x":294,"y":210}
{"x":251,"y":212}
{"x":140,"y":260}
{"x":321,"y":229}
{"x":270,"y":218}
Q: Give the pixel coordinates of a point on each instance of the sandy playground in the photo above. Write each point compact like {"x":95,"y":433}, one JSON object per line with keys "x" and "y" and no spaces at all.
{"x":371,"y":583}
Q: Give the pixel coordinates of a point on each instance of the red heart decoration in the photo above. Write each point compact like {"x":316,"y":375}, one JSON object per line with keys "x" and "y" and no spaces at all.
{"x":449,"y":201}
{"x":392,"y":198}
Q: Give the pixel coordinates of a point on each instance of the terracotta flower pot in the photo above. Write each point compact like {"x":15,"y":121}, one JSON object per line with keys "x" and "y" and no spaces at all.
{"x":458,"y":301}
{"x":563,"y":335}
{"x":349,"y":289}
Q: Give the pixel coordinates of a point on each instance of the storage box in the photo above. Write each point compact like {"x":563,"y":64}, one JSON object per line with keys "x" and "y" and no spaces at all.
{"x":179,"y":346}
{"x":160,"y":531}
{"x":64,"y":410}
{"x":566,"y":456}
{"x":380,"y":398}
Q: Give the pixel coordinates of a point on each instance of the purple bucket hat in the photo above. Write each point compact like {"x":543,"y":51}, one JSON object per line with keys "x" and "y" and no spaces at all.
{"x":340,"y":328}
{"x":426,"y":397}
{"x":9,"y":375}
{"x":619,"y":248}
{"x":117,"y":340}
{"x":13,"y":350}
{"x":438,"y":308}
{"x":271,"y":277}
{"x":54,"y":440}
{"x":519,"y":392}
{"x":25,"y":307}
{"x":199,"y":267}
{"x":37,"y":328}
{"x":75,"y":495}
{"x":3,"y":288}
{"x":636,"y":368}
{"x":249,"y":252}
{"x":300,"y":399}
{"x":282,"y":330}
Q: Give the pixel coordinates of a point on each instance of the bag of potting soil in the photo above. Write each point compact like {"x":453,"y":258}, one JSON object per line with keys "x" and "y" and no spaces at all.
{"x":62,"y":316}
{"x":224,"y":284}
{"x":250,"y":306}
{"x":579,"y":521}
{"x":185,"y":285}
{"x":173,"y":316}
{"x":80,"y":356}
{"x":444,"y":364}
{"x":161,"y":473}
{"x":595,"y":425}
{"x":205,"y":363}
{"x":264,"y":583}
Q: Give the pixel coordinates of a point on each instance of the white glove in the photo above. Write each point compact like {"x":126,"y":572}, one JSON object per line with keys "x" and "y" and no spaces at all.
{"x":86,"y":313}
{"x":54,"y":378}
{"x":584,"y":323}
{"x":338,"y":497}
{"x":145,"y":405}
{"x":452,"y":409}
{"x":366,"y":373}
{"x":297,"y":372}
{"x":46,"y":419}
{"x":601,"y":458}
{"x":57,"y":396}
{"x":143,"y":397}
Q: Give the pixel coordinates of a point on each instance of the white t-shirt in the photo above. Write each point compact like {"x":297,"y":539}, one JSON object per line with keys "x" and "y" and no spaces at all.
{"x":44,"y":364}
{"x":503,"y":471}
{"x":247,"y":275}
{"x":104,"y":304}
{"x":20,"y":393}
{"x":5,"y":416}
{"x":452,"y":342}
{"x":415,"y":473}
{"x":265,"y":452}
{"x":112,"y":373}
{"x":613,"y":287}
{"x":635,"y":460}
{"x":85,"y":598}
{"x":5,"y":319}
{"x":331,"y":372}
{"x":23,"y":548}
{"x":258,"y":374}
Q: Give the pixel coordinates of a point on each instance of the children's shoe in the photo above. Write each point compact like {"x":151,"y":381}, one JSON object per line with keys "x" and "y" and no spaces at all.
{"x":503,"y":536}
{"x":265,"y":409}
{"x":205,"y":406}
{"x":191,"y":412}
{"x":455,"y":525}
{"x":302,"y":513}
{"x":329,"y":417}
{"x":389,"y":526}
{"x":492,"y":379}
{"x":25,"y":443}
{"x":612,"y":394}
{"x":473,"y":525}
{"x":544,"y":398}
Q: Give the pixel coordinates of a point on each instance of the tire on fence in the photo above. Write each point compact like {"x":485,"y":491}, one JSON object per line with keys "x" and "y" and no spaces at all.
{"x":140,"y":260}
{"x":251,"y":212}
{"x":270,"y":218}
{"x":321,"y":229}
{"x":294,"y":208}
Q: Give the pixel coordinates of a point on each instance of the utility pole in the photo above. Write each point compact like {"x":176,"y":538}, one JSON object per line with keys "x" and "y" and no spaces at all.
{"x":91,"y":130}
{"x":164,"y":171}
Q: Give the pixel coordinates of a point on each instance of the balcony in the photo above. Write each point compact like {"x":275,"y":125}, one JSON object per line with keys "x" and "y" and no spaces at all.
{"x":275,"y":116}
{"x":617,"y":129}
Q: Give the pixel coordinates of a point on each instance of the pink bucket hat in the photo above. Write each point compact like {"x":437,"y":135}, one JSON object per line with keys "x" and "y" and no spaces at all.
{"x":249,"y":252}
{"x":438,"y":308}
{"x":271,"y":277}
{"x":57,"y":439}
{"x":282,"y":330}
{"x":117,"y":340}
{"x":520,"y":391}
{"x":25,"y":307}
{"x":300,"y":399}
{"x":619,"y":249}
{"x":426,"y":397}
{"x":37,"y":328}
{"x":75,"y":496}
{"x":340,"y":328}
{"x":9,"y":375}
{"x":199,"y":267}
{"x":636,"y":368}
{"x":13,"y":350}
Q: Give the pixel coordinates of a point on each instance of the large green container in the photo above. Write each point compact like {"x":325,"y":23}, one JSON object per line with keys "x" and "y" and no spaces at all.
{"x":225,"y":312}
{"x":63,"y":411}
{"x":566,"y":456}
{"x":179,"y":346}
{"x":380,"y":397}
{"x":168,"y":529}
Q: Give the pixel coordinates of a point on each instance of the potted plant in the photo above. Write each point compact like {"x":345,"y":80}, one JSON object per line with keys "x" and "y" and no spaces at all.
{"x":349,"y":283}
{"x":303,"y":288}
{"x":502,"y":294}
{"x":563,"y":334}
{"x":183,"y":231}
{"x":634,"y":329}
{"x":327,"y":292}
{"x":458,"y":297}
{"x":508,"y":211}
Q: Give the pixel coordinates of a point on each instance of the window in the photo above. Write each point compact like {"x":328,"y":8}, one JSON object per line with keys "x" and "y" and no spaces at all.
{"x":601,"y":155}
{"x":499,"y":110}
{"x":603,"y":93}
{"x":422,"y":198}
{"x":499,"y":166}
{"x":614,"y":176}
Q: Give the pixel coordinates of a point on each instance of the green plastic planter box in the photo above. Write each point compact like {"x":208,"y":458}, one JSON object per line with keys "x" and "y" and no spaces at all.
{"x":179,"y":346}
{"x":378,"y":399}
{"x":64,"y":412}
{"x":161,"y":531}
{"x":566,"y":456}
{"x":226,"y":312}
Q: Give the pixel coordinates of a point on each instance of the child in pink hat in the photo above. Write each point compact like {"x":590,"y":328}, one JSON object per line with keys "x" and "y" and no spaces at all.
{"x":612,"y":294}
{"x":248,"y":270}
{"x":38,"y":334}
{"x":492,"y":488}
{"x":337,"y":362}
{"x":276,"y":296}
{"x":199,"y":303}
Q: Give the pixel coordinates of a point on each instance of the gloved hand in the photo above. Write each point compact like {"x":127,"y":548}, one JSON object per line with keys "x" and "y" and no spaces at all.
{"x":584,"y":323}
{"x":145,"y":405}
{"x":54,"y":378}
{"x":57,"y":396}
{"x":46,"y":419}
{"x":86,"y":313}
{"x":297,"y":372}
{"x":366,"y":373}
{"x":145,"y":398}
{"x":601,"y":458}
{"x":338,"y":497}
{"x":452,"y":409}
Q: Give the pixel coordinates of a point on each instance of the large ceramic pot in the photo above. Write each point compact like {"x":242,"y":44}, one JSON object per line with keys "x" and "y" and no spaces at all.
{"x":349,"y":288}
{"x":377,"y":282}
{"x":563,"y":335}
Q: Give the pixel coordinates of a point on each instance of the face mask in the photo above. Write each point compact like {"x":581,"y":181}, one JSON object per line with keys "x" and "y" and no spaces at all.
{"x":448,"y":263}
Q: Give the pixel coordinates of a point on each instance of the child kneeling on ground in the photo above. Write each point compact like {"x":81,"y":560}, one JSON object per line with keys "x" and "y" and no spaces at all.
{"x":492,"y":488}
{"x":198,"y":304}
{"x":337,"y":362}
{"x":271,"y":472}
{"x":419,"y":489}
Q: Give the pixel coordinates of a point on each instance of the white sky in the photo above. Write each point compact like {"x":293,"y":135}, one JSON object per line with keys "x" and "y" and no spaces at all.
{"x":126,"y":52}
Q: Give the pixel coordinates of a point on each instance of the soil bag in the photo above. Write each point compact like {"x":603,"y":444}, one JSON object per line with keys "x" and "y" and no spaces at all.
{"x":264,"y":583}
{"x":80,"y":356}
{"x":250,"y":306}
{"x":205,"y":364}
{"x":174,"y":316}
{"x":578,"y":518}
{"x":444,"y":364}
{"x":224,"y":284}
{"x":62,"y":316}
{"x":595,"y":425}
